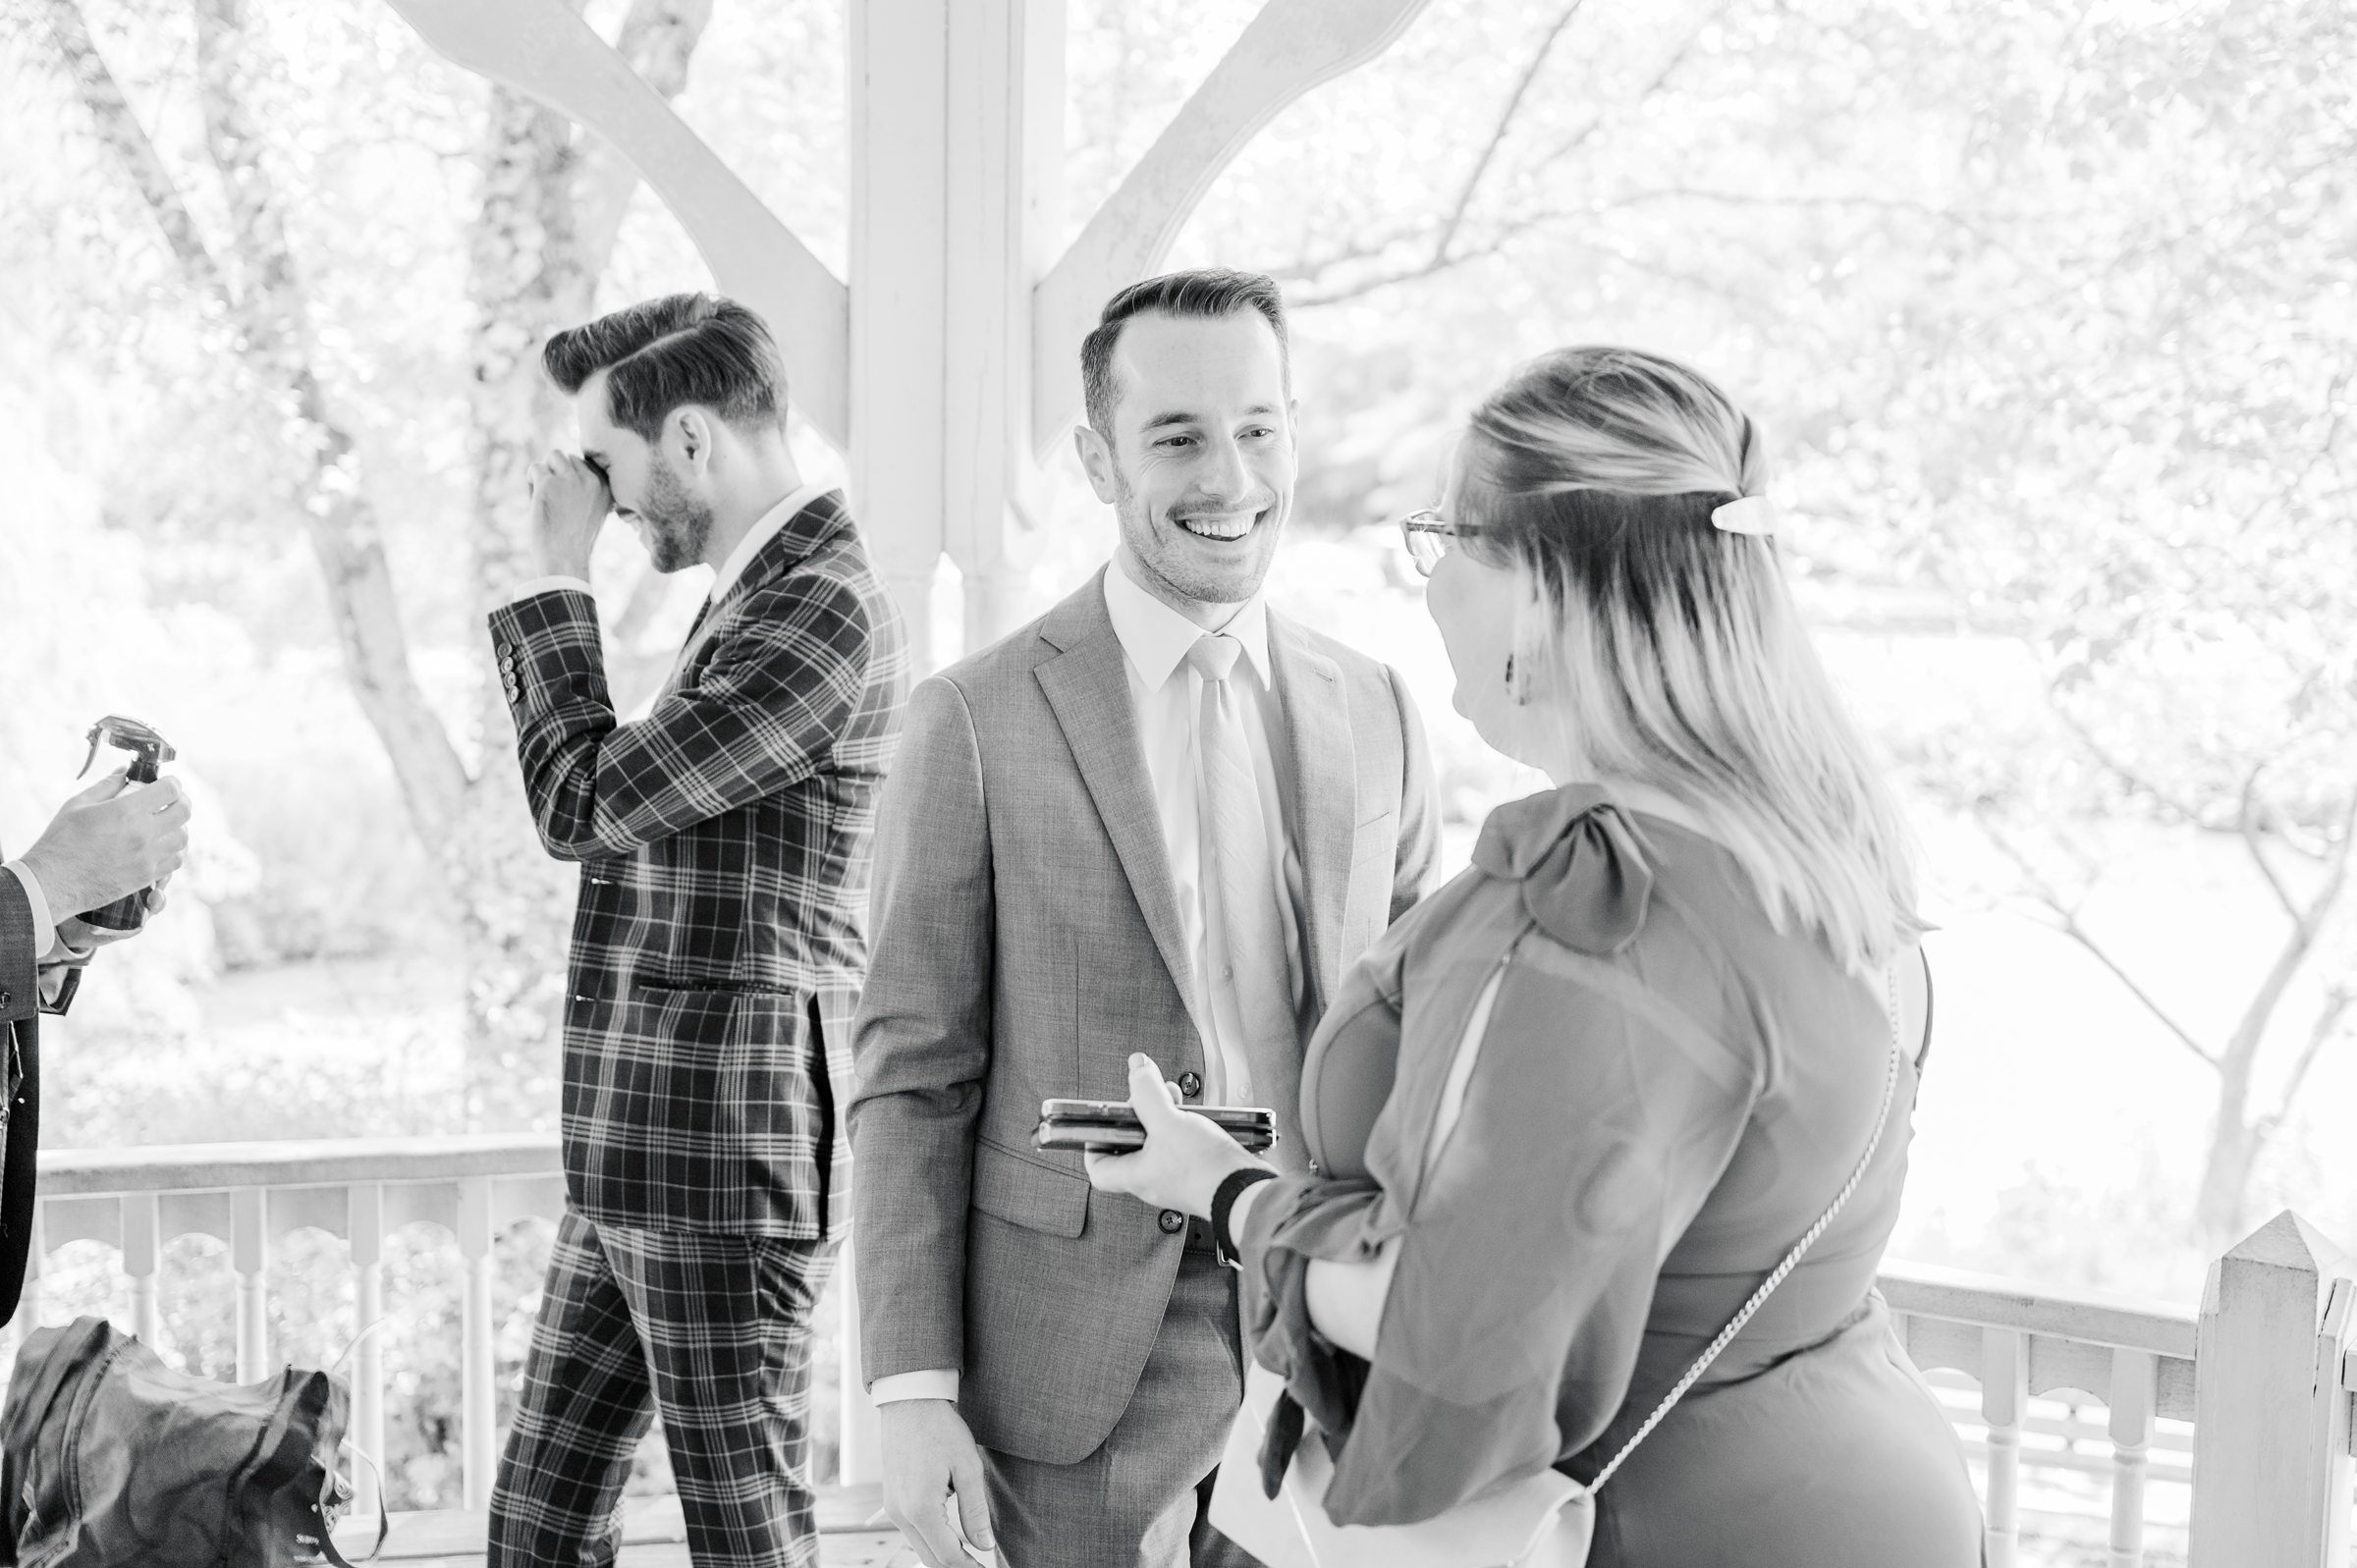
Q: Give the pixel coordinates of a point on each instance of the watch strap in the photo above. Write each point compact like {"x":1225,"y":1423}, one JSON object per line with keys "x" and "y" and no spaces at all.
{"x":1223,"y":1204}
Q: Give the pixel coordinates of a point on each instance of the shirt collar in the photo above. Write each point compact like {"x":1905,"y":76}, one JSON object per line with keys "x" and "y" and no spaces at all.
{"x":1156,"y":638}
{"x":764,"y":529}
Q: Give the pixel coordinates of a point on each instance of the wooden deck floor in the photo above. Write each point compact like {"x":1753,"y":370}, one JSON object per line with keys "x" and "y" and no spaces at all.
{"x":652,"y":1536}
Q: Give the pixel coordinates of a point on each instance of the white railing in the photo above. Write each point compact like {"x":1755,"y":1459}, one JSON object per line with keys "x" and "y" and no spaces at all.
{"x":250,"y":1195}
{"x":2248,"y":1402}
{"x":2136,"y":1360}
{"x":2252,"y":1394}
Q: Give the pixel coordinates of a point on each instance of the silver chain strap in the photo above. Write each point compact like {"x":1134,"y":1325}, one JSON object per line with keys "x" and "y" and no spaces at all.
{"x":1734,"y":1327}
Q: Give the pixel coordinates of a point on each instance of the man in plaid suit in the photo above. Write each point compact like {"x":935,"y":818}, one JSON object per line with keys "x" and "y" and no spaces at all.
{"x":719,"y":945}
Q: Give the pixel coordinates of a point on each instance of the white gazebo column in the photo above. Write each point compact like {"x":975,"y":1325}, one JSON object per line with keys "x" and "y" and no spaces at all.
{"x":1005,"y":220}
{"x":898,"y":73}
{"x":957,"y":151}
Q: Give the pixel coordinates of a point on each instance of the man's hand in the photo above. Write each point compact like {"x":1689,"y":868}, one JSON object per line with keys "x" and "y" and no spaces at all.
{"x":78,"y":939}
{"x":569,"y":502}
{"x":1186,"y":1158}
{"x":929,"y":1459}
{"x":109,"y":841}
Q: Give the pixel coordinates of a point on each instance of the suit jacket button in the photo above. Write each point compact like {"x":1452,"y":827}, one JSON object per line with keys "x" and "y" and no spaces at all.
{"x":1172,"y":1222}
{"x":1190,"y":1084}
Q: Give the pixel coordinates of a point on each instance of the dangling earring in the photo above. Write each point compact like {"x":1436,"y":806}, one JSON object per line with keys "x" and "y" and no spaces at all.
{"x":1513,"y":686}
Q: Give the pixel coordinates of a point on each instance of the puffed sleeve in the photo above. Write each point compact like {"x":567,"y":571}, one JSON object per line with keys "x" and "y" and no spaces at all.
{"x":1598,"y":1117}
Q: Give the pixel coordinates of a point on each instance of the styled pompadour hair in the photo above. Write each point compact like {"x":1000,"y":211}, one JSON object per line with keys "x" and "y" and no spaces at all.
{"x":663,"y":354}
{"x":1207,"y":293}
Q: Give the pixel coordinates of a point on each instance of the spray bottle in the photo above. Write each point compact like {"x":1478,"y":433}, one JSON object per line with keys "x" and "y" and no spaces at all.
{"x":149,"y":751}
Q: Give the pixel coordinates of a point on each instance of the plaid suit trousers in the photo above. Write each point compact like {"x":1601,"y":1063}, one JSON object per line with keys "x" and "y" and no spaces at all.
{"x":713,"y":1331}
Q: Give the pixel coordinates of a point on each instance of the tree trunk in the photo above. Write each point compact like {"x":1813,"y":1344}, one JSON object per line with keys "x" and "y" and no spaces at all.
{"x":553,"y":205}
{"x":533,"y":269}
{"x":2235,"y":1144}
{"x":273,"y":324}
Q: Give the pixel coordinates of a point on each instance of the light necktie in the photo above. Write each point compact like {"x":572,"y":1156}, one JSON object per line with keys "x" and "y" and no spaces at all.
{"x":1244,"y":914}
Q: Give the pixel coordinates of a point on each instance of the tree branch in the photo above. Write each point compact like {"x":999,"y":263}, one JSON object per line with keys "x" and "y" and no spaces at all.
{"x":2249,"y":830}
{"x":2183,"y":810}
{"x":118,"y":130}
{"x":2307,"y":924}
{"x":273,"y":316}
{"x":1497,"y":134}
{"x":2337,"y":1001}
{"x":2066,"y":921}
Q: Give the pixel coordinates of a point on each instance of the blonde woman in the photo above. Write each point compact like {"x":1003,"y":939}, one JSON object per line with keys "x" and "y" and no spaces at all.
{"x":1577,"y":1106}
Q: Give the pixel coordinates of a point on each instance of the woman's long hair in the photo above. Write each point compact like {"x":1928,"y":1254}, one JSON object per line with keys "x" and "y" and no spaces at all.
{"x":1681,"y":657}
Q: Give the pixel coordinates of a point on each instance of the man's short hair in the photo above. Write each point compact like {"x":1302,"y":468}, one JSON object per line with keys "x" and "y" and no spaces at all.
{"x":682,"y":349}
{"x":1209,"y":293}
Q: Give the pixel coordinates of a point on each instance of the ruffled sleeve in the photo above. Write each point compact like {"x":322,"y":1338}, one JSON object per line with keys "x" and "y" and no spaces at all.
{"x":1599,"y":1116}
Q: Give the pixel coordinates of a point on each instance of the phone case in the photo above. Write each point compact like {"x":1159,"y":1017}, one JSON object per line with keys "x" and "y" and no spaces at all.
{"x":1117,"y":1137}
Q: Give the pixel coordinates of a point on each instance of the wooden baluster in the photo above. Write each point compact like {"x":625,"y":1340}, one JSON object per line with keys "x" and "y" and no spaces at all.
{"x":859,"y":1456}
{"x":143,"y":1261}
{"x":367,"y":1226}
{"x":2004,"y":1397}
{"x":477,"y":1405}
{"x":249,"y":1254}
{"x":2135,"y":1390}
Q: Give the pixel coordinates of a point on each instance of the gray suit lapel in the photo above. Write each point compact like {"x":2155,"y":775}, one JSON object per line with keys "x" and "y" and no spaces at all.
{"x":1087,"y":686}
{"x":1317,"y":727}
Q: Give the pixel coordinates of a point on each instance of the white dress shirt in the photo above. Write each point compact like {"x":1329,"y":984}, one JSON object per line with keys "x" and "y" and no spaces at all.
{"x":1166,"y":698}
{"x":764,"y":529}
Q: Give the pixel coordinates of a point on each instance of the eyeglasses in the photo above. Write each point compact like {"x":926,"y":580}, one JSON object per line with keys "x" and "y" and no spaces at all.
{"x":1429,"y":536}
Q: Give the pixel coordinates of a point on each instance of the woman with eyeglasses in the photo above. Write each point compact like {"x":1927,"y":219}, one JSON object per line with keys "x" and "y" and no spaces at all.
{"x":1611,"y":1131}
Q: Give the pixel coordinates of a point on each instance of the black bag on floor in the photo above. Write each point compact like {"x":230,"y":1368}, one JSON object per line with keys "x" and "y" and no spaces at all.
{"x":113,"y":1459}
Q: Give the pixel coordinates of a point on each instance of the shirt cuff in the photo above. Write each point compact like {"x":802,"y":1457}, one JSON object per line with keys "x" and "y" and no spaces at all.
{"x":904,"y":1385}
{"x":553,"y":584}
{"x":44,"y":926}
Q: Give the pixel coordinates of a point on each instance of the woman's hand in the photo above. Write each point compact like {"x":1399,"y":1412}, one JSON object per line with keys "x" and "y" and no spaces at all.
{"x":1185,"y":1157}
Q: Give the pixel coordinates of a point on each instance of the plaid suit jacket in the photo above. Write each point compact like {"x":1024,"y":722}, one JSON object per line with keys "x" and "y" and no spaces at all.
{"x":719,"y":941}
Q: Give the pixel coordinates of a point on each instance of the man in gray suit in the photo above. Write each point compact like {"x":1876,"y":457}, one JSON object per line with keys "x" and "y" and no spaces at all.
{"x":1162,"y":818}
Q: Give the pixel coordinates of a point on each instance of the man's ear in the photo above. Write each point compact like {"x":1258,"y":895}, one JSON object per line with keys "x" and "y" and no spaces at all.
{"x":690,"y":430}
{"x":1096,"y":460}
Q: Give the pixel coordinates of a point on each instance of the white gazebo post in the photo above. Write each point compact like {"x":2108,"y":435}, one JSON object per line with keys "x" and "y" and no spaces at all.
{"x":2272,"y":1416}
{"x":957,"y":154}
{"x":948,"y":364}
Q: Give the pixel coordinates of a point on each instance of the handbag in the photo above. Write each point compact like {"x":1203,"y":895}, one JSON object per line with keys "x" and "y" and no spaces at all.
{"x":1542,"y":1521}
{"x":112,"y":1459}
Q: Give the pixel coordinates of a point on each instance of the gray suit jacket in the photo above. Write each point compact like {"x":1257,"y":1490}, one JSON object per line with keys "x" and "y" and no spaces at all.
{"x":1026,"y":940}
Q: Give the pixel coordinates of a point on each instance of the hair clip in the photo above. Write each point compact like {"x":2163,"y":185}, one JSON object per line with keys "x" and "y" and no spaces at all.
{"x":1752,"y":515}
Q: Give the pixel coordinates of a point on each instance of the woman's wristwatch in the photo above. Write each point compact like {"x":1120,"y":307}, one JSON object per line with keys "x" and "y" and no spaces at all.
{"x":1223,"y":1204}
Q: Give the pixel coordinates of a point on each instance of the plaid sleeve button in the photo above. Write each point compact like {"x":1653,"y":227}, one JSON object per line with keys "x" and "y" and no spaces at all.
{"x":1172,"y":1222}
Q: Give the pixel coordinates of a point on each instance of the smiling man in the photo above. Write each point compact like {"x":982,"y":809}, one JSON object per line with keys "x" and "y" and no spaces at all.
{"x":1162,"y":818}
{"x":718,"y":945}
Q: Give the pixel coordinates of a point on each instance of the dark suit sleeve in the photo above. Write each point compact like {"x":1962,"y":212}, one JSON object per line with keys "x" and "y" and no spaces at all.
{"x":20,"y":984}
{"x":1419,"y":805}
{"x":761,"y":715}
{"x":21,"y":1064}
{"x":922,"y":1043}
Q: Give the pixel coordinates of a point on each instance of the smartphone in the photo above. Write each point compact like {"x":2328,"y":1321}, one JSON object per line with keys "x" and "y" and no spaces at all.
{"x":1111,"y":1126}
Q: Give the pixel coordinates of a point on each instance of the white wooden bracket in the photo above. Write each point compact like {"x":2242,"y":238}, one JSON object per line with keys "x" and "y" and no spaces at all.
{"x":543,"y":49}
{"x":1288,"y":48}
